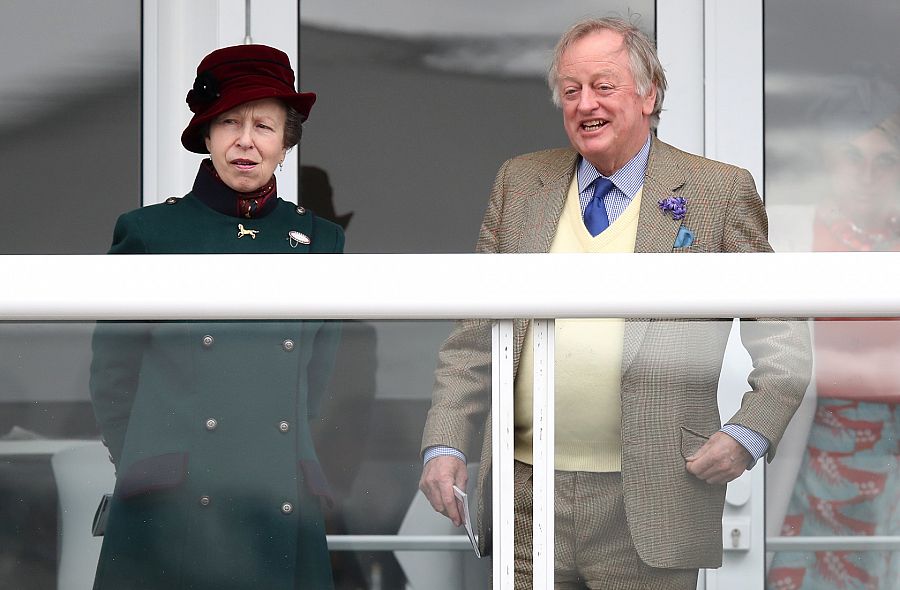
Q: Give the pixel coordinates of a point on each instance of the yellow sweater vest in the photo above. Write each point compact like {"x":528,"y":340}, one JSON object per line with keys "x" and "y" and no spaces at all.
{"x":588,"y":372}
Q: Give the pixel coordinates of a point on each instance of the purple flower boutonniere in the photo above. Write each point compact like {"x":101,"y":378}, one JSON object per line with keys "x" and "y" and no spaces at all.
{"x":677,"y":205}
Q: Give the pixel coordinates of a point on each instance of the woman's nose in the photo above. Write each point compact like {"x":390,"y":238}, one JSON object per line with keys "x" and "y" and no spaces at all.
{"x":245,"y":139}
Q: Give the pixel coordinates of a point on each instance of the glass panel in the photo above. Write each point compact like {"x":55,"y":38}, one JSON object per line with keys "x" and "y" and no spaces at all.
{"x":70,"y":120}
{"x":420,"y":102}
{"x":833,"y":184}
{"x":208,"y":425}
{"x":832,"y":135}
{"x":218,"y":417}
{"x":419,"y":105}
{"x":838,"y":474}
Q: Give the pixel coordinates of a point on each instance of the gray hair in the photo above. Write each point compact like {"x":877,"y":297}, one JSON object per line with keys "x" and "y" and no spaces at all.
{"x":645,"y":65}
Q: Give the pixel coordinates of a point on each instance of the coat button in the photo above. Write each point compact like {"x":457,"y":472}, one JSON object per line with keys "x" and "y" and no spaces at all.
{"x":284,"y":426}
{"x":208,"y":341}
{"x":301,"y":210}
{"x":287,"y":508}
{"x":211,"y":424}
{"x":204,"y":500}
{"x":288,"y":345}
{"x":172,"y":200}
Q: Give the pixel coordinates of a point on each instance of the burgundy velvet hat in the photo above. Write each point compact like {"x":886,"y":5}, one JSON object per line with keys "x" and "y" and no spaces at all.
{"x":231,"y":76}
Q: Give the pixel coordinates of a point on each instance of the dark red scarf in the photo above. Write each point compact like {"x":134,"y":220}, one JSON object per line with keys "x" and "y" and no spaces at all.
{"x":215,"y":194}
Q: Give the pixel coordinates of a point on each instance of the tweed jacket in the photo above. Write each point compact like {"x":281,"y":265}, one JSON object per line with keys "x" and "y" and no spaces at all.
{"x":670,"y":369}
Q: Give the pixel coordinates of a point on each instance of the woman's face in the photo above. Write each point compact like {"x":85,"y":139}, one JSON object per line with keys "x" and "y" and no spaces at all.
{"x":866,"y":170}
{"x":247,"y":142}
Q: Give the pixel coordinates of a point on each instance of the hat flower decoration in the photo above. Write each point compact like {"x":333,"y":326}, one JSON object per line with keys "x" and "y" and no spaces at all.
{"x":205,"y":91}
{"x":677,"y":206}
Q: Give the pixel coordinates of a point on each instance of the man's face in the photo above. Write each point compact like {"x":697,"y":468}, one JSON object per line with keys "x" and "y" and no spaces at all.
{"x":605,"y":118}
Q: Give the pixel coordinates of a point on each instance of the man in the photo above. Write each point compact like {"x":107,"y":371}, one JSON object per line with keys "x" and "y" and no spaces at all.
{"x":638,"y":432}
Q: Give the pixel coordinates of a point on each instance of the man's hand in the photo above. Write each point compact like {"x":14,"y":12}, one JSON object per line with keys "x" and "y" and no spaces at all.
{"x":720,"y":460}
{"x":438,"y":478}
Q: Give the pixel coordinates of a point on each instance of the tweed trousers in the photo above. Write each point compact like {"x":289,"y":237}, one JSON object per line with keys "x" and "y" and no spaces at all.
{"x":593,"y":547}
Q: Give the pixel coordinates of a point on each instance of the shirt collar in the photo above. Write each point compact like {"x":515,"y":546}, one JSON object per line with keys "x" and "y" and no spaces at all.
{"x":628,"y":179}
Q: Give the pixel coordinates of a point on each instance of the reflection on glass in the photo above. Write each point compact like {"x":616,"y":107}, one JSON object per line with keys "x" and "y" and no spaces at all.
{"x":48,"y":438}
{"x":833,"y":146}
{"x":70,"y":122}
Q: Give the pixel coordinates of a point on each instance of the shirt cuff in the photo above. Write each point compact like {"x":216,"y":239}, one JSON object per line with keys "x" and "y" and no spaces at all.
{"x":441,"y":451}
{"x":755,"y":443}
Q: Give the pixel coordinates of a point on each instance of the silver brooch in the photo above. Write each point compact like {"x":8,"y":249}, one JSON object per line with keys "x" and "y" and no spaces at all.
{"x":296,"y":237}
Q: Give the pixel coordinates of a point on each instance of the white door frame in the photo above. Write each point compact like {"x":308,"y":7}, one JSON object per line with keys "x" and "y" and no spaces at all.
{"x":713,"y":54}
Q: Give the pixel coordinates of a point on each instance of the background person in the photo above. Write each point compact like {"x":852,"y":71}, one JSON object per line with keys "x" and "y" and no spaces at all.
{"x":218,"y":484}
{"x":849,"y":479}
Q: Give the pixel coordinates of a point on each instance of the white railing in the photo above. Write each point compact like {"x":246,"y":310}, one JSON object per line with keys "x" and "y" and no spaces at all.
{"x":461,"y":286}
{"x":447,"y":286}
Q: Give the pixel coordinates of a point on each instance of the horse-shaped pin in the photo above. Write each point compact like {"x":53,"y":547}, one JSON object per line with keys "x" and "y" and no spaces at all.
{"x":246,"y":232}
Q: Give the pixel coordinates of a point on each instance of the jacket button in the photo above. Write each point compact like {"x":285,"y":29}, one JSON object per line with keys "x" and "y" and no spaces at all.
{"x":208,"y":341}
{"x":211,"y":424}
{"x":284,"y":426}
{"x":204,"y":500}
{"x":287,"y":508}
{"x":288,"y":345}
{"x":301,"y":210}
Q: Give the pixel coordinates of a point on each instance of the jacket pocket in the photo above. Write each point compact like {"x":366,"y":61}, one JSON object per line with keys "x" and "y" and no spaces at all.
{"x":691,"y":441}
{"x":695,"y":248}
{"x":153,"y":474}
{"x":315,"y":481}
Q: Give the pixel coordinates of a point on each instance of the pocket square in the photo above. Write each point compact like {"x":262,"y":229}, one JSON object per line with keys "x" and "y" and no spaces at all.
{"x":684,"y":238}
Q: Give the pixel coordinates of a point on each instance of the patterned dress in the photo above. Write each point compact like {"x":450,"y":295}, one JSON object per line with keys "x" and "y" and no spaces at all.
{"x":849,"y":480}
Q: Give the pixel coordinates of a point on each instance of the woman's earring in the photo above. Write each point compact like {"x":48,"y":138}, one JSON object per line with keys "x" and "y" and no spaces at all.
{"x":281,"y":166}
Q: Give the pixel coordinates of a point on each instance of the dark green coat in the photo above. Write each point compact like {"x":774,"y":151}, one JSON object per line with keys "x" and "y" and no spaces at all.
{"x":218,"y":485}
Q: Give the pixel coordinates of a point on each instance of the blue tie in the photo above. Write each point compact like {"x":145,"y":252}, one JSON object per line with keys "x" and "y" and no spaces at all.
{"x":595,"y":217}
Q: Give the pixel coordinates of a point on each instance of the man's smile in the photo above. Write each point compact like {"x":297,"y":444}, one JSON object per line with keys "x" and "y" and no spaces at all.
{"x":594,"y":124}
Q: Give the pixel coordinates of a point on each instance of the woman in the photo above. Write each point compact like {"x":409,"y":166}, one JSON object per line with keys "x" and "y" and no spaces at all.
{"x":218,"y":485}
{"x":849,"y":481}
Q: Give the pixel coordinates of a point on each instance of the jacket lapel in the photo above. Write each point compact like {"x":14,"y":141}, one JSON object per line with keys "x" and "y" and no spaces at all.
{"x":544,"y":203}
{"x":656,"y":230}
{"x":543,"y":208}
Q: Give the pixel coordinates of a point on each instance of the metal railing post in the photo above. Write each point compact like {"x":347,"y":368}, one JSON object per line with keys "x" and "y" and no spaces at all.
{"x":502,"y":452}
{"x":543,"y":332}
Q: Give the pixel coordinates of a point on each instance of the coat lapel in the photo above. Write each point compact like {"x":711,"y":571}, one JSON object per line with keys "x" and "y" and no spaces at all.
{"x":656,"y":230}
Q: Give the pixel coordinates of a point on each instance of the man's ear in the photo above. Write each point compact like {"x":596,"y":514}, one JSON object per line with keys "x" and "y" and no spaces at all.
{"x":649,"y":102}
